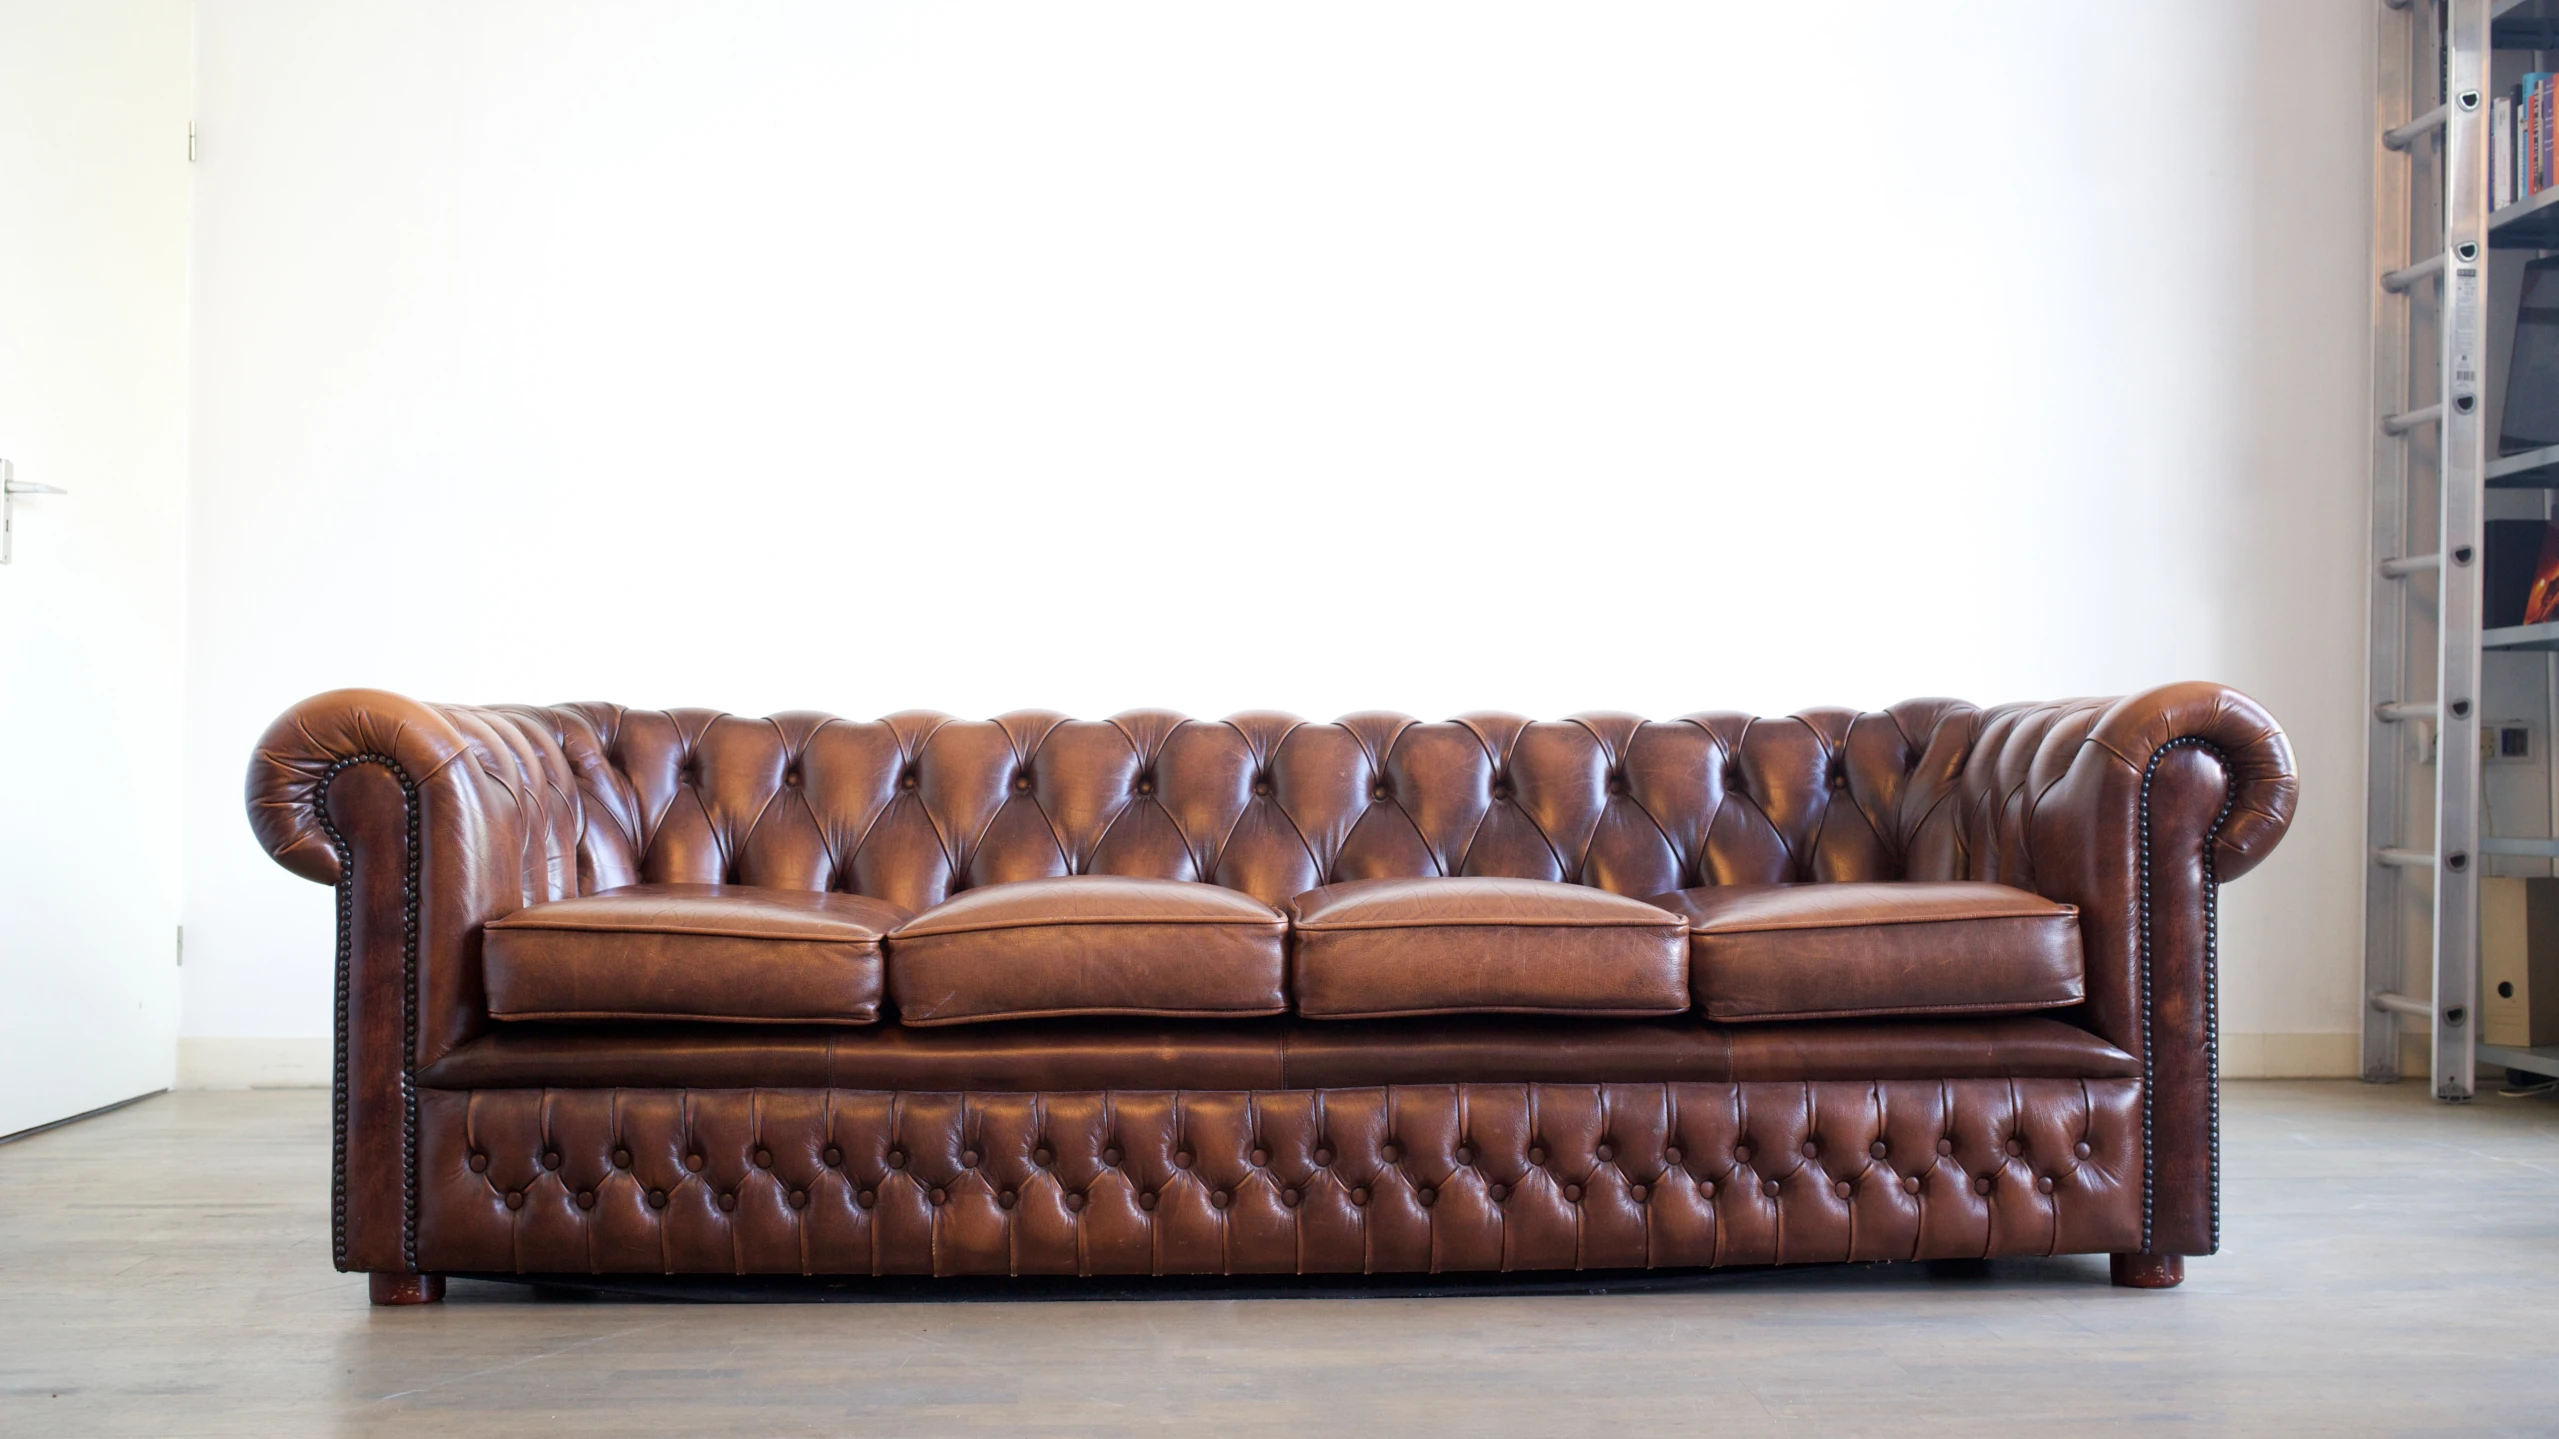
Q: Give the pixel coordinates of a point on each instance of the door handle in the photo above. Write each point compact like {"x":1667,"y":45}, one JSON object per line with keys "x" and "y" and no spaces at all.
{"x":10,"y":488}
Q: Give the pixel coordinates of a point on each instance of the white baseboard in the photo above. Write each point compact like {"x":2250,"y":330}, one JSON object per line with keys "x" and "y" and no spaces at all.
{"x":207,"y":1063}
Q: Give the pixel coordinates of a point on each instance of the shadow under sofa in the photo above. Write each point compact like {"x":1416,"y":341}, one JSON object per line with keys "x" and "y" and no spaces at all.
{"x":681,"y":992}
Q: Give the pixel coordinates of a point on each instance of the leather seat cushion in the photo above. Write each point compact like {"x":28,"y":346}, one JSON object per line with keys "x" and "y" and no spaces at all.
{"x":720,"y":952}
{"x":1379,"y":948}
{"x":1089,"y":944}
{"x":1842,"y":950}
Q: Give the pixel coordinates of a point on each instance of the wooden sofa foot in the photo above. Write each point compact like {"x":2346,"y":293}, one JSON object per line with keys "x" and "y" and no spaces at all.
{"x":406,"y":1288}
{"x":2147,"y":1271}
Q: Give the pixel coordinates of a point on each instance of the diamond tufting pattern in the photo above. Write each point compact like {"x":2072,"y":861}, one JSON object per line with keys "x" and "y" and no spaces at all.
{"x":1432,"y":1177}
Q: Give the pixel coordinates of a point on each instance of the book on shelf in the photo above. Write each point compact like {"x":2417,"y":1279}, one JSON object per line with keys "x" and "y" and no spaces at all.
{"x":2521,"y":161}
{"x":2501,"y":152}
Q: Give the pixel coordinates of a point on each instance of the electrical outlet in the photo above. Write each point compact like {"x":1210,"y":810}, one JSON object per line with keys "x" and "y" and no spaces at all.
{"x":2508,"y":741}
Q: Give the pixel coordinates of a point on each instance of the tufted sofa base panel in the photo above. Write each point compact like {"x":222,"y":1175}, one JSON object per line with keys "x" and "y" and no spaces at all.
{"x":1386,"y":1179}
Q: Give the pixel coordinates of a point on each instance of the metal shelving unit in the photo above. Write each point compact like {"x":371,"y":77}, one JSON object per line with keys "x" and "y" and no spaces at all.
{"x":2438,"y":70}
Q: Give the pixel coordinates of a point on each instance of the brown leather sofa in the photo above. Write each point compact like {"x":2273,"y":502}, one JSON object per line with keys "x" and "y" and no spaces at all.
{"x":685,"y":992}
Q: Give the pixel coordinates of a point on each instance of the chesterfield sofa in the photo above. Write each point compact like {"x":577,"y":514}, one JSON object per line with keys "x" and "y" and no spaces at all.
{"x":662,"y":993}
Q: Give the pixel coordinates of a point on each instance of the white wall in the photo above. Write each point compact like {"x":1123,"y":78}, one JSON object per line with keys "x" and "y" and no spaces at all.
{"x":1326,"y":357}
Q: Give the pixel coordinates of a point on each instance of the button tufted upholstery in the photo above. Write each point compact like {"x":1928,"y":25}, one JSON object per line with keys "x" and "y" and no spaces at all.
{"x":434,"y":820}
{"x":1421,"y":1178}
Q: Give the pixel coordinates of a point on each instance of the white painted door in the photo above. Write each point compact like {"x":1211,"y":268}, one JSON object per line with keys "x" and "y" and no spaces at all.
{"x":94,"y":191}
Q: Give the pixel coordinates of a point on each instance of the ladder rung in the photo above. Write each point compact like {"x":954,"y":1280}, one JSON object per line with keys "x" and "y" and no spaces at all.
{"x":2399,"y":282}
{"x":2406,"y":858}
{"x":2406,"y":565}
{"x":2406,"y":135}
{"x":2406,"y":710}
{"x":2383,"y":999}
{"x":2402,"y":423}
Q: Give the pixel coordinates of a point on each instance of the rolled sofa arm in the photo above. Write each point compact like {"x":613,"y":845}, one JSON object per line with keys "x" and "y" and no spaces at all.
{"x":430,"y":820}
{"x":2136,"y":810}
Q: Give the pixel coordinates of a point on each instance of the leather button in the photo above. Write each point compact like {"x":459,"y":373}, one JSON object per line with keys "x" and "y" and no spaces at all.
{"x":1427,"y":1195}
{"x":1218,"y":1199}
{"x":940,"y":1196}
{"x":1741,"y":1154}
{"x":1260,"y":1157}
{"x":621,"y":1159}
{"x":1391,"y":1152}
{"x":1910,"y":1183}
{"x":867,"y":1198}
{"x":1606,"y":1152}
{"x":728,"y":1202}
{"x":1466,"y":1154}
{"x":2045,"y":1184}
{"x":1671,"y":1155}
{"x":1982,"y":1185}
{"x":1945,"y":1146}
{"x":1812,"y":1150}
{"x":479,"y":1164}
{"x":1359,"y":1196}
{"x":693,"y":1162}
{"x":1075,"y":1203}
{"x":897,"y":1159}
{"x":586,"y":1199}
{"x":764,"y":1159}
{"x":1004,"y":1199}
{"x":1262,"y":787}
{"x":1501,"y":790}
{"x":550,"y":1159}
{"x":906,"y":780}
{"x":1706,"y":1187}
{"x":1146,"y":1201}
{"x":2081,"y":1149}
{"x":834,"y":1157}
{"x":1291,"y":1198}
{"x":1769,"y":1188}
{"x":968,"y":1158}
{"x":1044,"y":1156}
{"x":1844,"y":1189}
{"x":1617,"y":784}
{"x":1021,"y":784}
{"x":515,"y":1199}
{"x":1572,"y":1193}
{"x":1181,"y":1159}
{"x":2014,"y":1148}
{"x":1111,"y":1155}
{"x":791,"y":777}
{"x":1639,"y":1193}
{"x":1499,"y":1191}
{"x":1146,"y":784}
{"x":1876,"y":1149}
{"x":1323,"y":1156}
{"x":1379,"y":793}
{"x":799,"y":1199}
{"x":1537,"y":1154}
{"x":657,"y":1199}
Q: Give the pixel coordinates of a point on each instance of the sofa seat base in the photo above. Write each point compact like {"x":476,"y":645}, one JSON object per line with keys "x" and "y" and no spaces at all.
{"x":1270,"y":1054}
{"x":1358,"y":1180}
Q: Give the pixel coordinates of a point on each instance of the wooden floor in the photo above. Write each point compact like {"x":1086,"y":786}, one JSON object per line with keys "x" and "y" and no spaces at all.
{"x":2390,"y":1265}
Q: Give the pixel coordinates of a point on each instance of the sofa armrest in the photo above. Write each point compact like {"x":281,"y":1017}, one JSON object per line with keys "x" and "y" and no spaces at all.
{"x":2137,"y":810}
{"x":429,"y":820}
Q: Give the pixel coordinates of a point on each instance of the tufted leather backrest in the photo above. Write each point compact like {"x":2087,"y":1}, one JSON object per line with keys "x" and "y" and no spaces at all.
{"x":916,"y":807}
